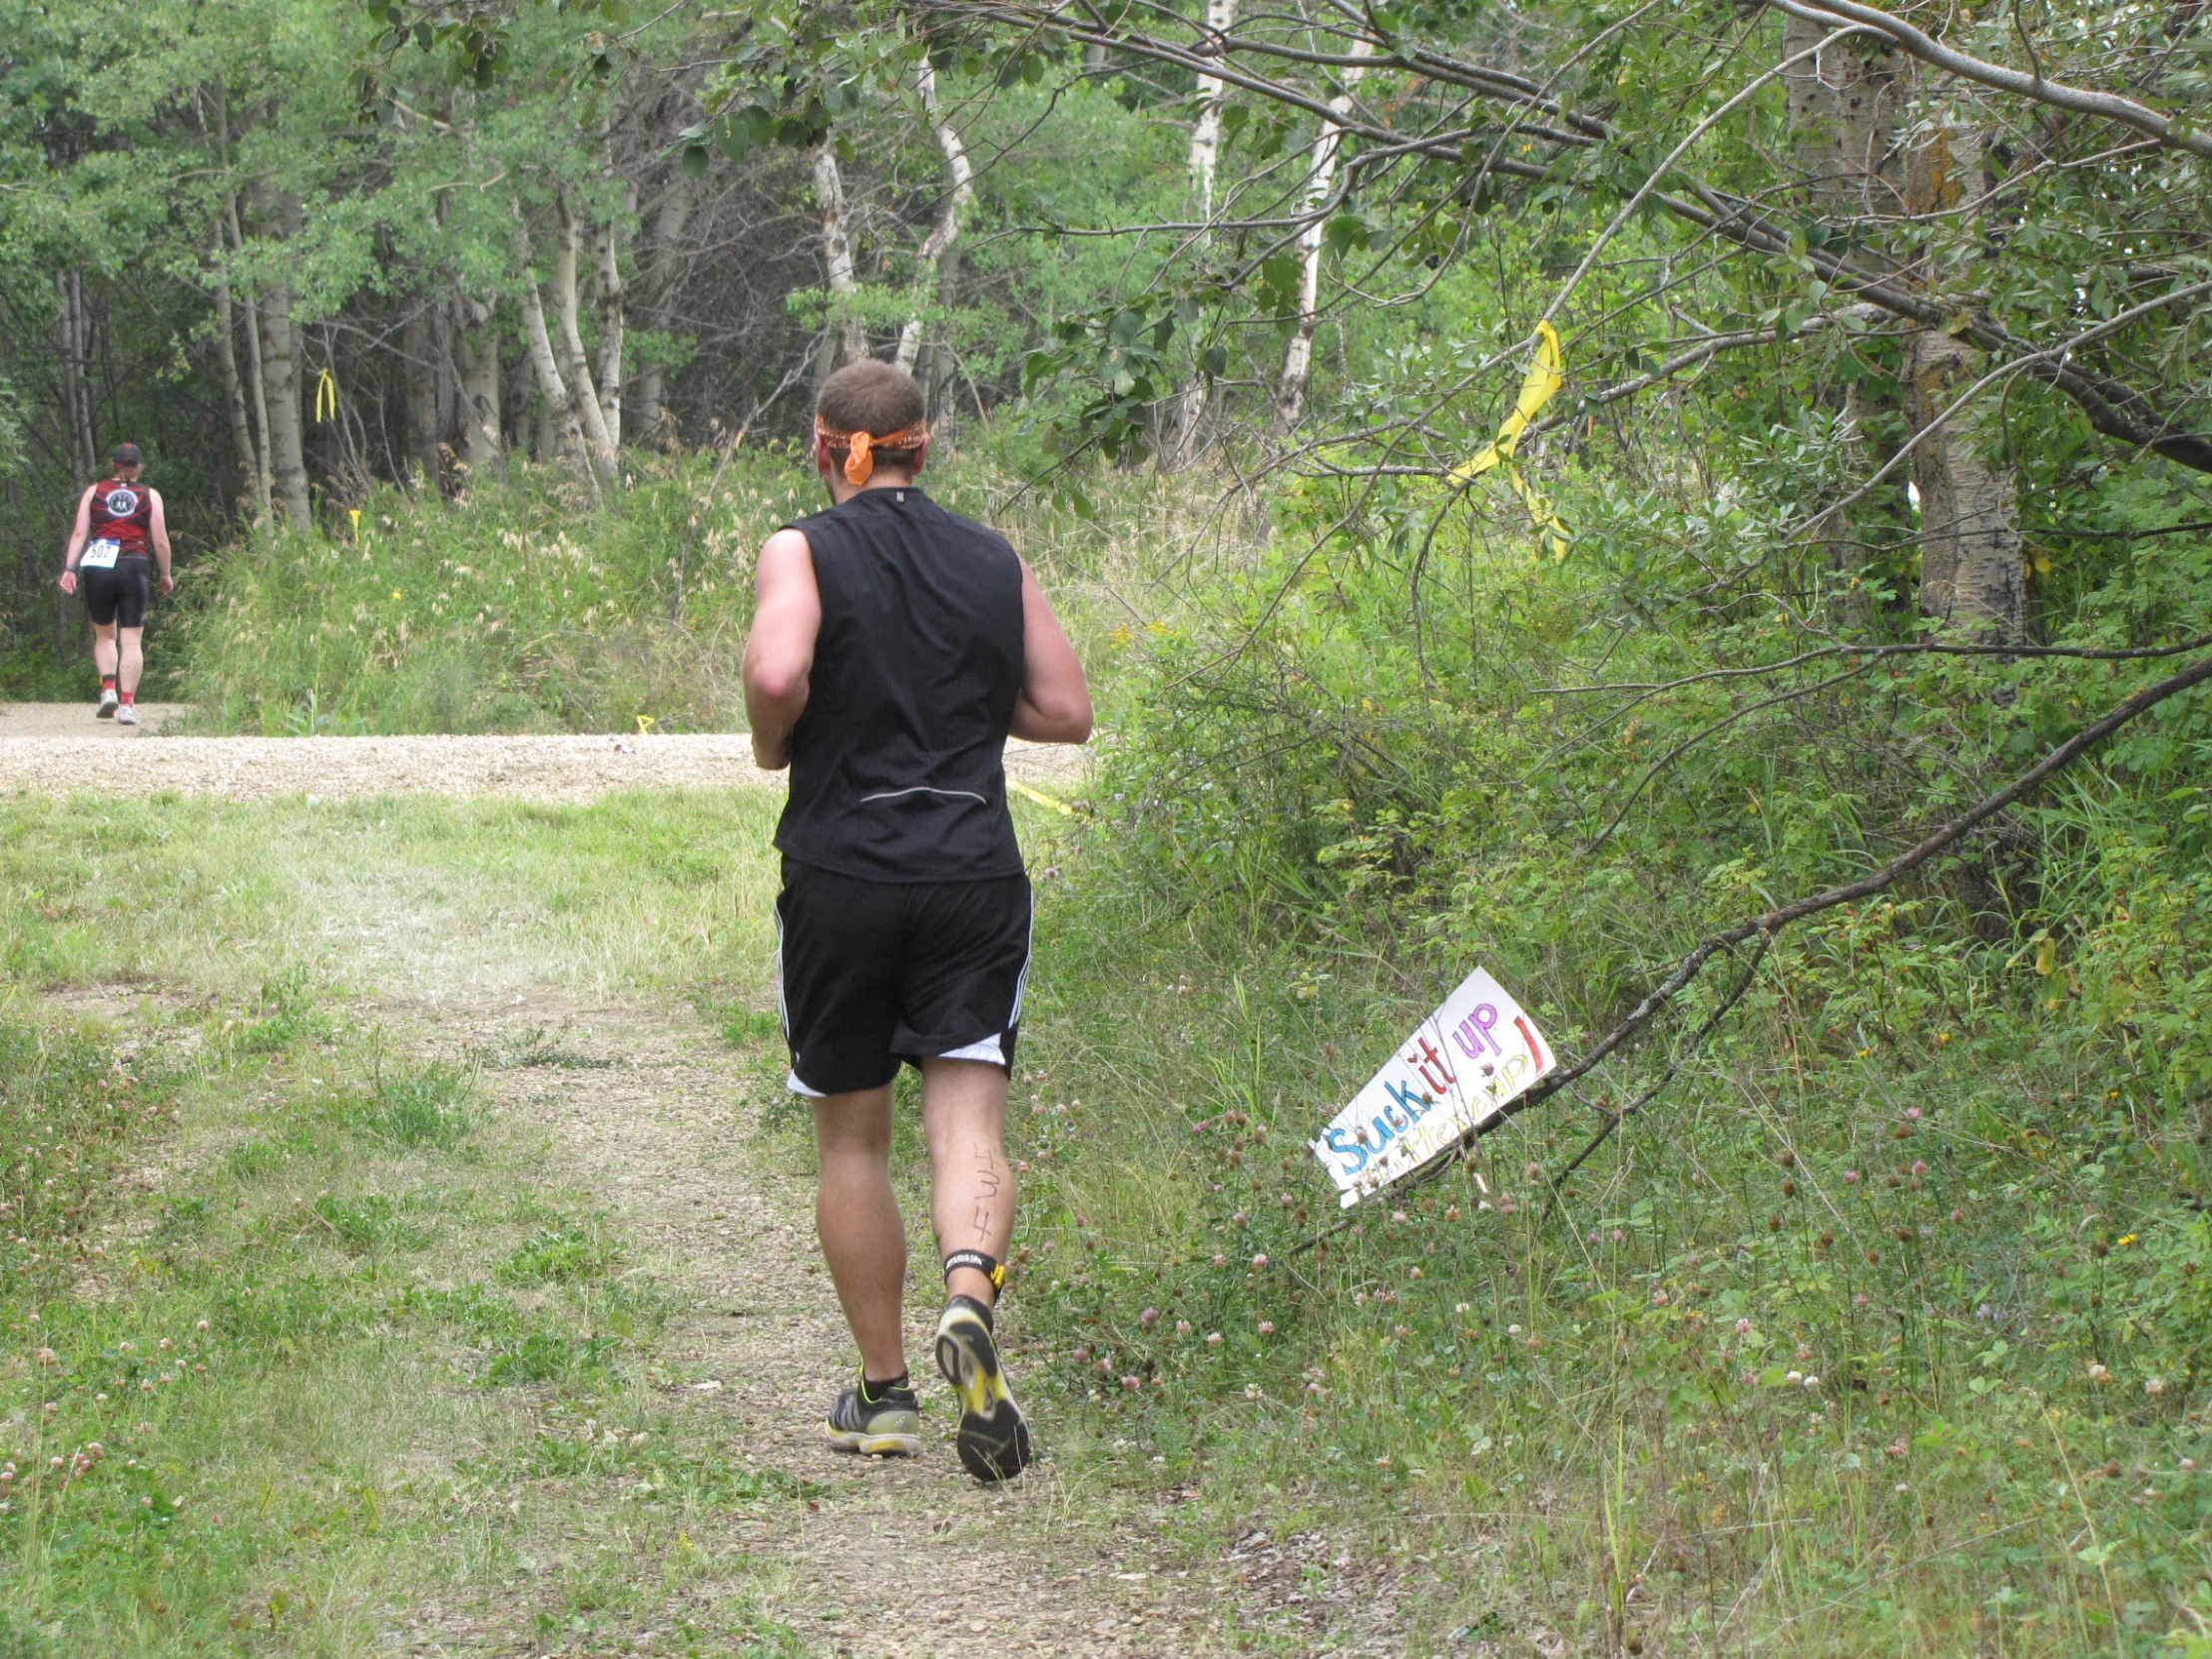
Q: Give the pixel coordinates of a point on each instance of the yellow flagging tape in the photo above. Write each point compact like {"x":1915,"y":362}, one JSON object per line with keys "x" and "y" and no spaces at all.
{"x":1040,"y":797}
{"x":1545,"y":376}
{"x":326,"y":398}
{"x":645,"y":725}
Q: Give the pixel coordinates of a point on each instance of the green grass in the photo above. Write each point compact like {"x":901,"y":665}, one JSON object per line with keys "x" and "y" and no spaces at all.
{"x":342,"y":1357}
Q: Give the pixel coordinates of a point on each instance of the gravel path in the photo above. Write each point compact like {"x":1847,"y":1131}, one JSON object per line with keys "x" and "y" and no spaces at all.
{"x":60,"y":750}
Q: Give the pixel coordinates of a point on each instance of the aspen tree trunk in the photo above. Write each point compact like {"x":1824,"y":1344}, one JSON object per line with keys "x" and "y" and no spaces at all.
{"x":1190,"y":407}
{"x":582,"y":395}
{"x":481,"y":446}
{"x":940,"y":240}
{"x":233,"y":387}
{"x":561,"y":404}
{"x":1320,"y":180}
{"x":75,"y":359}
{"x":1844,"y":107}
{"x":257,"y":375}
{"x":419,"y":372}
{"x":613,"y":326}
{"x":836,"y":260}
{"x":280,"y":355}
{"x":670,"y":216}
{"x":1973,"y":573}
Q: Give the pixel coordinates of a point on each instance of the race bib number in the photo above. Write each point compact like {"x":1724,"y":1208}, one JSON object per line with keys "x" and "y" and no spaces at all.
{"x":101,"y":555}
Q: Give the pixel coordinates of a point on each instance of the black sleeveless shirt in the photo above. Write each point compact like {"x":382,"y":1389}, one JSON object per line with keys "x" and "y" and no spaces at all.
{"x":899,"y":760}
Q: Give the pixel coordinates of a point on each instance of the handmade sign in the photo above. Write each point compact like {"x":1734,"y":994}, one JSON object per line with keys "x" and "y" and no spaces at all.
{"x":1464,"y":1061}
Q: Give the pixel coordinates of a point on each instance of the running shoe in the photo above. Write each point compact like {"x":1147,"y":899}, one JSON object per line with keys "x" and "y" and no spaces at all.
{"x":108,"y":701}
{"x":993,"y":1441}
{"x":877,"y":1421}
{"x":127,"y":715}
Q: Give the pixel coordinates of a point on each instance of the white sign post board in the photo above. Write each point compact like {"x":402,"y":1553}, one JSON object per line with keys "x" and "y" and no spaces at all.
{"x":1464,"y":1061}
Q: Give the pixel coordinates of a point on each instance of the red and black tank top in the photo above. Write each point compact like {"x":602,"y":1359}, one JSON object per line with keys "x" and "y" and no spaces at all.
{"x":122,"y":512}
{"x":898,"y":761}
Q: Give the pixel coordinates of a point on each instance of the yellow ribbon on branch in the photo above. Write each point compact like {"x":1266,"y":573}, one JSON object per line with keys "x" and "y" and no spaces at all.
{"x":326,"y":398}
{"x":1545,"y":376}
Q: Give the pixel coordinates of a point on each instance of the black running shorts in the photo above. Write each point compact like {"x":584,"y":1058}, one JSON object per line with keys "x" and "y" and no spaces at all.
{"x":118,"y":595}
{"x":872,"y":973}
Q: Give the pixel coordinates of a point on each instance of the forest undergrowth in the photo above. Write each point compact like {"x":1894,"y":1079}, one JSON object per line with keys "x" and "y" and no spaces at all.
{"x":1880,"y":1327}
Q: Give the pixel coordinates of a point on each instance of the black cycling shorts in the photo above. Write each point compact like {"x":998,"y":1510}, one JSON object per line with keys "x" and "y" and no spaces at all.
{"x":118,"y":595}
{"x":873,"y":974}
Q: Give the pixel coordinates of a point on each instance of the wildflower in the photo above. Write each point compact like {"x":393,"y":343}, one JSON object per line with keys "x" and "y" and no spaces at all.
{"x":1858,"y":1300}
{"x":1912,"y":1114}
{"x":166,"y":1344}
{"x":1399,"y":1215}
{"x":1919,"y":1166}
{"x":47,"y":1356}
{"x":1942,"y":1036}
{"x":1793,"y":1378}
{"x":1240,"y":1219}
{"x":1534,"y":1172}
{"x":1400,"y":1332}
{"x":1358,"y":1299}
{"x":1414,"y":1272}
{"x":1182,"y":1328}
{"x":2188,"y":1465}
{"x":1148,"y":1317}
{"x":1903,"y":1488}
{"x":1658,"y":1299}
{"x":1313,"y":1387}
{"x":1462,"y":1308}
{"x":1512,"y":1329}
{"x":1266,"y":1328}
{"x":1619,"y":1237}
{"x":1131,"y":1384}
{"x":2154,"y":1386}
{"x":1221,"y":1261}
{"x":1850,"y":1177}
{"x":1743,"y":1327}
{"x":1813,"y":1387}
{"x":2097,"y":1373}
{"x":1212,"y":1339}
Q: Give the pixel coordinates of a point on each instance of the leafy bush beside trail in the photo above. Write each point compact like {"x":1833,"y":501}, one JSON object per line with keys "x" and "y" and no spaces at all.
{"x":519,"y":607}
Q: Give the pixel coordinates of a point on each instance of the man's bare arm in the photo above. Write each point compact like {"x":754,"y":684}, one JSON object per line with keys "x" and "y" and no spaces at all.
{"x":780,"y":652}
{"x":1055,"y":703}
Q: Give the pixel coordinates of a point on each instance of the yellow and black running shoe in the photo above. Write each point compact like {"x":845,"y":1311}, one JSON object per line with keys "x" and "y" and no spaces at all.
{"x":993,"y":1441}
{"x":876,"y":1419}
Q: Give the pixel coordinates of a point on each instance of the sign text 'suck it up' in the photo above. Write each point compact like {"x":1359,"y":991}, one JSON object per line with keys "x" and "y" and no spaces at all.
{"x":1464,"y":1061}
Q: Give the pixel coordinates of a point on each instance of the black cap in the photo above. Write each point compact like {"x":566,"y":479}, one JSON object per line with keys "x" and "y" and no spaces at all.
{"x":128,"y":454}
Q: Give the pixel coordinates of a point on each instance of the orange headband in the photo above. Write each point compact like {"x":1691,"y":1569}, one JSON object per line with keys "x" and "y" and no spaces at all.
{"x":860,"y":447}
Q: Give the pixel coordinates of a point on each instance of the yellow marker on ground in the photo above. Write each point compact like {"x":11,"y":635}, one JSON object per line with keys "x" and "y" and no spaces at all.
{"x":1040,"y":797}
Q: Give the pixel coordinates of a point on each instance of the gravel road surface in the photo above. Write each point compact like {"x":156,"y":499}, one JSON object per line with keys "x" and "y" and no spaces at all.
{"x":60,"y":750}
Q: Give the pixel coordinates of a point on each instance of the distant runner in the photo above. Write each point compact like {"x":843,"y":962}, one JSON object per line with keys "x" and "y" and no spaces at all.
{"x":894,"y":647}
{"x":116,"y":522}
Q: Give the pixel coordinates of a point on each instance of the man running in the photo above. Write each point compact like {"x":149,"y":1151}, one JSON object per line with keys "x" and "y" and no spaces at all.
{"x":116,"y":522}
{"x":894,"y":649}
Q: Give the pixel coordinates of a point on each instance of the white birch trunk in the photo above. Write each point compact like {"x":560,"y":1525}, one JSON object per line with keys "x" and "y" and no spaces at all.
{"x":1320,"y":180}
{"x":614,"y":323}
{"x":1206,"y":131}
{"x":560,"y":399}
{"x":934,"y":249}
{"x":582,"y":395}
{"x":837,"y":251}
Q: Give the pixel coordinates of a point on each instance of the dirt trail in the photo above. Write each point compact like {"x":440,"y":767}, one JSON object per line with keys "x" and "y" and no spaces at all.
{"x":60,"y":748}
{"x":661,"y":1125}
{"x":901,"y":1557}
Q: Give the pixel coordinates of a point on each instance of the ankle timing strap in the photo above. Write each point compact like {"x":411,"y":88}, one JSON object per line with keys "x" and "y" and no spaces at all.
{"x":989,"y":1267}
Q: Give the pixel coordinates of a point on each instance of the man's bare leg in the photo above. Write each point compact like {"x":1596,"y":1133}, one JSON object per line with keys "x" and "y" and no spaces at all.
{"x":963,"y":1114}
{"x":857,"y":1218}
{"x":104,"y":648}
